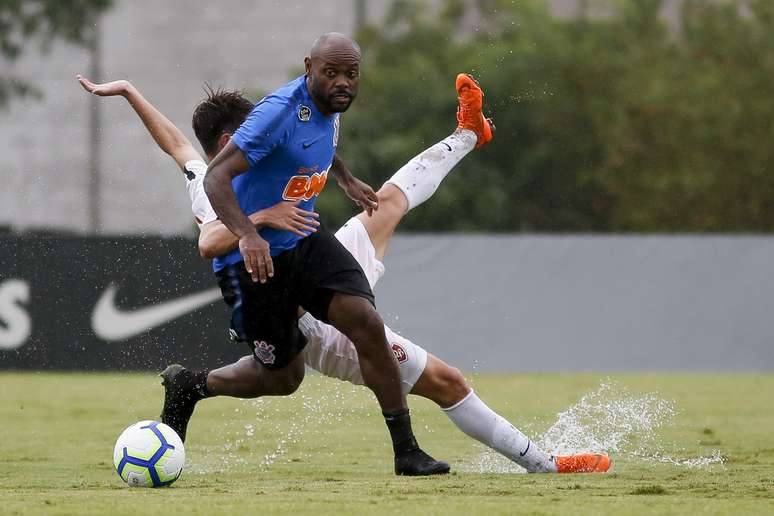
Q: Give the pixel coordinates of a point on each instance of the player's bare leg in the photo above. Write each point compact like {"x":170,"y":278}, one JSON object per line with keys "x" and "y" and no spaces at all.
{"x":356,"y":318}
{"x":381,"y":224}
{"x":245,"y":378}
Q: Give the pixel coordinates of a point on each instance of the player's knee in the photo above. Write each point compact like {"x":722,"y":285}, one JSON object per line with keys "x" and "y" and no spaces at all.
{"x":448,"y":386}
{"x":289,"y":382}
{"x":393,"y":201}
{"x":456,"y":384}
{"x":369,"y":325}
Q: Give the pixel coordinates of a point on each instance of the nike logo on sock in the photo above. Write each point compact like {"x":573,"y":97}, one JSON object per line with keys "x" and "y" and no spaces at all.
{"x":522,"y":454}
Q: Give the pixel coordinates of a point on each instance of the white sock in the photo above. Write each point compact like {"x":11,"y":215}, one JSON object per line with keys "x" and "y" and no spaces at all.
{"x":419,"y":178}
{"x":472,"y":416}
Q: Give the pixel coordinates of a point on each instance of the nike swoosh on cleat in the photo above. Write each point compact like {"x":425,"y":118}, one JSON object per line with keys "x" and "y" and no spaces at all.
{"x":111,"y":324}
{"x":522,"y":454}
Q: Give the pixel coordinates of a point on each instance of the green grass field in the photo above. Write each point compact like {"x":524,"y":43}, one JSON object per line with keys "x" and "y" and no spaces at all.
{"x":325,"y":450}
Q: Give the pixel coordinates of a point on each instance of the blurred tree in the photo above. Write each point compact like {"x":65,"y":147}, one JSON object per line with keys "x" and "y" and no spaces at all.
{"x":606,"y":122}
{"x":24,"y":21}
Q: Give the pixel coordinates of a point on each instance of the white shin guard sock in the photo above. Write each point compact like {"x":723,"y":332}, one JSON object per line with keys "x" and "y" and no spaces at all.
{"x":472,"y":416}
{"x":419,"y":178}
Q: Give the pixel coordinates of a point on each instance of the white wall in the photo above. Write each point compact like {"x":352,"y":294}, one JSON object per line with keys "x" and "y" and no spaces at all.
{"x":169,"y":50}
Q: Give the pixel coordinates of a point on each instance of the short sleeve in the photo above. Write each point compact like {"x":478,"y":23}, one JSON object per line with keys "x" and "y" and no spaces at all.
{"x":265,"y":128}
{"x":200,"y":204}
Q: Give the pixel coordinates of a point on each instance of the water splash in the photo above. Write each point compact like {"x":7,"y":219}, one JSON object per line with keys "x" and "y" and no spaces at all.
{"x":609,"y":419}
{"x":318,"y":412}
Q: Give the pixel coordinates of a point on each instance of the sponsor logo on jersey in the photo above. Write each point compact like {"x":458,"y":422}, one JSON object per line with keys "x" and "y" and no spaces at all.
{"x":264,"y":352}
{"x":336,"y":131}
{"x":399,"y":352}
{"x":305,"y":113}
{"x":306,"y":186}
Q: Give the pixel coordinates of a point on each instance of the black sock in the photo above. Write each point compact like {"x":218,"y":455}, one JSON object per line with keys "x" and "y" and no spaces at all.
{"x":399,"y":424}
{"x":199,"y":385}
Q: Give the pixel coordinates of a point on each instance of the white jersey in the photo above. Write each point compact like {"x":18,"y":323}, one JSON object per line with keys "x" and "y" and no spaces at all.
{"x":194,"y":182}
{"x":328,"y":350}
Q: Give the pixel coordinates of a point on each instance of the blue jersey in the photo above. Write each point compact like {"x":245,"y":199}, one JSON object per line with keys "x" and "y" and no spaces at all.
{"x":289,"y":146}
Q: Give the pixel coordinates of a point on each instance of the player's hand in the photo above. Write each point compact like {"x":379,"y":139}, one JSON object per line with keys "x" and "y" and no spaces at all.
{"x":255,"y":251}
{"x":363,"y":195}
{"x":107,"y":89}
{"x":288,"y":216}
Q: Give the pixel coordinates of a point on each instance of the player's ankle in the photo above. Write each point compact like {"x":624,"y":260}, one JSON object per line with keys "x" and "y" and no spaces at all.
{"x":197,"y":385}
{"x":399,"y":425}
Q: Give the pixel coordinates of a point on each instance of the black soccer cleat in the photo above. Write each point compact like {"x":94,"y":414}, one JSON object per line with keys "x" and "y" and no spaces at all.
{"x":417,"y":463}
{"x":180,"y":398}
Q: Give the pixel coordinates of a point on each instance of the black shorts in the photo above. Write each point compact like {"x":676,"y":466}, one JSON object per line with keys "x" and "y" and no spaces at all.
{"x":265,"y":315}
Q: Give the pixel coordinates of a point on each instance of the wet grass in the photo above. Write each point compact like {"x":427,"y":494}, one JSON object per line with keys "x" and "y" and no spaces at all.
{"x":325,"y":450}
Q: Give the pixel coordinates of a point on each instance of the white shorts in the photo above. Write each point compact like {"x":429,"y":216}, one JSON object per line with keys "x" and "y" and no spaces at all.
{"x":330,"y":352}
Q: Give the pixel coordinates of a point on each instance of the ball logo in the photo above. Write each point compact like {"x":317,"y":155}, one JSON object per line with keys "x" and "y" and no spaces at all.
{"x":305,"y":113}
{"x":264,"y":352}
{"x":399,"y":352}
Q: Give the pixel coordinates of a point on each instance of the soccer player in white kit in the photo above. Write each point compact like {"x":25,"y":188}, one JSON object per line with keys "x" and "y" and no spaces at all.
{"x":366,"y":236}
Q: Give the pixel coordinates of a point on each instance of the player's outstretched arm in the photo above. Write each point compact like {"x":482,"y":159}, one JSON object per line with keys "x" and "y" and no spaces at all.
{"x":215,"y":239}
{"x":363,"y":195}
{"x":167,"y":136}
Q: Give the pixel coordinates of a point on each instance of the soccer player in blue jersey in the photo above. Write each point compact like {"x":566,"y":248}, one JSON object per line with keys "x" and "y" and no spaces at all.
{"x":283,"y":151}
{"x":366,"y":236}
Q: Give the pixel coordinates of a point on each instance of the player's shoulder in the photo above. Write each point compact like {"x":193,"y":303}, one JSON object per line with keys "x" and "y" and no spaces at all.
{"x":194,"y":168}
{"x":285,"y":100}
{"x":290,"y":92}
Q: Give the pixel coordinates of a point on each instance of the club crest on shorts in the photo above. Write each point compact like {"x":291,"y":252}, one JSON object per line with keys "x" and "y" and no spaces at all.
{"x":399,"y":352}
{"x":305,"y":113}
{"x":264,"y":351}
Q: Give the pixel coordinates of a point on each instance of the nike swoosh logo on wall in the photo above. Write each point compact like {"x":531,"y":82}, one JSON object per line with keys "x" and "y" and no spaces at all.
{"x":110,"y":323}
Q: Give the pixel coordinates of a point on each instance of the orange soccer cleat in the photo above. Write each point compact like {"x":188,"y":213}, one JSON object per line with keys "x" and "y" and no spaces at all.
{"x":469,"y":115}
{"x":583,"y":463}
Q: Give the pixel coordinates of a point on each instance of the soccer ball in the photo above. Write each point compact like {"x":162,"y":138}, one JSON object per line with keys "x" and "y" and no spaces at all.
{"x":149,"y":454}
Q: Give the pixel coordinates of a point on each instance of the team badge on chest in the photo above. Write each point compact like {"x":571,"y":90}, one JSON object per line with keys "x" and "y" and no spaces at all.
{"x":305,"y":113}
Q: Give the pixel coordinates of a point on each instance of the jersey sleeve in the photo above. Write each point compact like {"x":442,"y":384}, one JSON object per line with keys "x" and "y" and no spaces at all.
{"x":194,"y":182}
{"x":265,"y":129}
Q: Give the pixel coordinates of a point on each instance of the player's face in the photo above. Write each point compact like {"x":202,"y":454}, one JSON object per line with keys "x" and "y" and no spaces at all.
{"x":334,"y":80}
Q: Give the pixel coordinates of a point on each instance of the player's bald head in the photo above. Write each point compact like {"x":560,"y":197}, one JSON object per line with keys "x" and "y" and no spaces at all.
{"x":334,"y":45}
{"x":333,"y":72}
